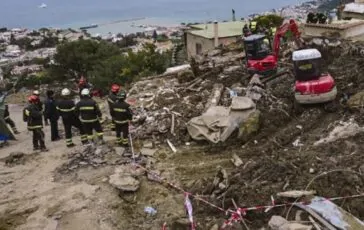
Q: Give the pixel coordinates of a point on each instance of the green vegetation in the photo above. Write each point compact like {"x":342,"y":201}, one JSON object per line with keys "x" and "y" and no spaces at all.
{"x":104,"y":63}
{"x":267,"y":20}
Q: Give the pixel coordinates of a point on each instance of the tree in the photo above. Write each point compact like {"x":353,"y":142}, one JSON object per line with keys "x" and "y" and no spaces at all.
{"x":80,"y":57}
{"x":267,"y":20}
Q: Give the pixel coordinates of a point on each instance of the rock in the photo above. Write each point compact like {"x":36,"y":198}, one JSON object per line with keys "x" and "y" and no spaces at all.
{"x":129,"y":170}
{"x":236,"y":160}
{"x":119,"y":150}
{"x":242,"y":103}
{"x":181,"y":224}
{"x":312,"y":170}
{"x":250,"y":127}
{"x":356,"y":101}
{"x":148,"y":152}
{"x":154,"y":175}
{"x":295,"y":226}
{"x":276,"y":222}
{"x":232,"y":69}
{"x":15,"y":158}
{"x":215,"y":227}
{"x":148,"y":145}
{"x":124,"y":183}
{"x":214,"y":53}
{"x":361,"y":169}
{"x":185,"y":76}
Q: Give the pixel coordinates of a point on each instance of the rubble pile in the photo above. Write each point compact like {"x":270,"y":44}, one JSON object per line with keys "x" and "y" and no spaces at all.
{"x":312,"y":150}
{"x":165,"y":104}
{"x":91,"y":155}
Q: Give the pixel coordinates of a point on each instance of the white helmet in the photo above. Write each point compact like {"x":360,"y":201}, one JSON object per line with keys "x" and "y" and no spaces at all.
{"x":65,"y":92}
{"x":36,"y":92}
{"x":85,"y":92}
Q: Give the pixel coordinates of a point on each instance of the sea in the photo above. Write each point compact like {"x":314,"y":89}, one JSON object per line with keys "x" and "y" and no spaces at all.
{"x":124,"y":16}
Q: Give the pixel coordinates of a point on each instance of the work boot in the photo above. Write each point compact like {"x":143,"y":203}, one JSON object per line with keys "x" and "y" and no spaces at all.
{"x":71,"y":145}
{"x":44,"y":149}
{"x":36,"y":148}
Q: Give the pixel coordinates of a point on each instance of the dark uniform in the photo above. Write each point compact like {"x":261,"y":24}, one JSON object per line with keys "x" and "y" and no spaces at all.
{"x":89,"y":113}
{"x":33,"y":116}
{"x":111,"y":100}
{"x":9,"y":120}
{"x":51,"y":114}
{"x":66,"y":109}
{"x":121,"y":113}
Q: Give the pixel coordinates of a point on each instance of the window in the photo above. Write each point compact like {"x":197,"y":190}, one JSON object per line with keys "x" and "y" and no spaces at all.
{"x":198,"y":48}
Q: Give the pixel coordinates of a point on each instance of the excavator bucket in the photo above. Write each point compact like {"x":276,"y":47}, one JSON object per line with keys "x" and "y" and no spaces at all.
{"x":5,"y":131}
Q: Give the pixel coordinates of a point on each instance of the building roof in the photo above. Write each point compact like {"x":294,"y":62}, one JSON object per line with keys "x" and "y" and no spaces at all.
{"x":354,"y":8}
{"x":339,"y":25}
{"x":305,"y":54}
{"x":225,"y":29}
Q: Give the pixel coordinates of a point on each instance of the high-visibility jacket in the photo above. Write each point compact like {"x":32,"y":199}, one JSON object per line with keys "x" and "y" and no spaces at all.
{"x":253,"y":25}
{"x":88,"y":110}
{"x":120,"y":112}
{"x":66,"y":109}
{"x":33,"y":116}
{"x":273,"y":31}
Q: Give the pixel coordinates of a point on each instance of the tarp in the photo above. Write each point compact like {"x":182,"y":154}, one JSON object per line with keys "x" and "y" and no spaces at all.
{"x":5,"y":131}
{"x":218,"y":122}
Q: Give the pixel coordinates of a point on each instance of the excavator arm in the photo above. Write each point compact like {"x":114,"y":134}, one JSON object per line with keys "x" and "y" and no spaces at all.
{"x":281,"y":32}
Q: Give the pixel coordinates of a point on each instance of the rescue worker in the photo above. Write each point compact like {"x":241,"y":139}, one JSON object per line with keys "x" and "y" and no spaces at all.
{"x":246,"y":30}
{"x":9,"y":121}
{"x":33,"y":116}
{"x":115,"y":88}
{"x":83,"y":84}
{"x":90,"y":115}
{"x":66,"y":108}
{"x":51,"y":114}
{"x":40,"y":105}
{"x":121,"y":114}
{"x":253,"y":27}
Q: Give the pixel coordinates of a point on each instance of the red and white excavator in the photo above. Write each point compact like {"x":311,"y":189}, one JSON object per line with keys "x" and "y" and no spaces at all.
{"x":311,"y":84}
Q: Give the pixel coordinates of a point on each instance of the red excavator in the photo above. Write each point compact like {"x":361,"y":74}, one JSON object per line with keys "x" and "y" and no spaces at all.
{"x":312,"y":85}
{"x":260,"y":58}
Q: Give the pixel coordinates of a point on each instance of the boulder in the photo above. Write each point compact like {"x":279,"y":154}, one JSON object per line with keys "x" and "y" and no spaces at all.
{"x":356,"y":101}
{"x":124,"y":182}
{"x":250,"y":127}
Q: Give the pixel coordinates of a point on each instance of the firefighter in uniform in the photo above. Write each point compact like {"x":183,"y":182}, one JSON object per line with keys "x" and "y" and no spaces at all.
{"x":115,"y":88}
{"x":40,"y":105}
{"x":66,"y":108}
{"x":33,"y":116}
{"x":121,"y":113}
{"x":90,"y":115}
{"x":9,"y":120}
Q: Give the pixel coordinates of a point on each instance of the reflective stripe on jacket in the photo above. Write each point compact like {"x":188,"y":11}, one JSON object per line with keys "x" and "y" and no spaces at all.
{"x":88,"y":110}
{"x":120,"y":112}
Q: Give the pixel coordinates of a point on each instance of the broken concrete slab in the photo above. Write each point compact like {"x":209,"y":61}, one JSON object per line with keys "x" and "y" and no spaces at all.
{"x":242,"y":103}
{"x":296,"y":193}
{"x":295,"y":226}
{"x":148,"y":152}
{"x":124,"y":183}
{"x":215,"y":96}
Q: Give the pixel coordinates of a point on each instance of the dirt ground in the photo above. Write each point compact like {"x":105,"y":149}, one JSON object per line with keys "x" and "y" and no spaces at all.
{"x":285,"y":155}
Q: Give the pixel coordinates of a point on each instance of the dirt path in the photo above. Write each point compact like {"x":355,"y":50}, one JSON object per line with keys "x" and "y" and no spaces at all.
{"x":31,"y":197}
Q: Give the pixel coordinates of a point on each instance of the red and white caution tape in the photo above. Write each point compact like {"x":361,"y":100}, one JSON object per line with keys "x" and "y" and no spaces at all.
{"x":164,"y":227}
{"x":189,"y":209}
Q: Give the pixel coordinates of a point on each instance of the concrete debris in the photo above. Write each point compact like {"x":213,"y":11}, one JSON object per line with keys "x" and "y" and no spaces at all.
{"x":236,"y":160}
{"x":296,"y":194}
{"x":218,"y":123}
{"x":276,"y":222}
{"x":343,"y":130}
{"x":124,"y":183}
{"x":92,"y":155}
{"x":215,"y":96}
{"x":148,"y":152}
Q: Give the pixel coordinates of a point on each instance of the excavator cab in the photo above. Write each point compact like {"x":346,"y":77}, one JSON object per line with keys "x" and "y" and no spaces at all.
{"x":312,"y":86}
{"x":259,"y":56}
